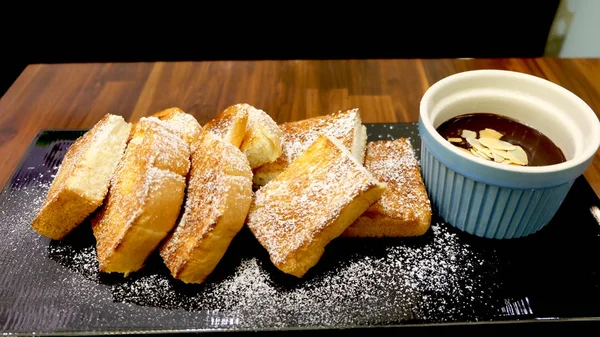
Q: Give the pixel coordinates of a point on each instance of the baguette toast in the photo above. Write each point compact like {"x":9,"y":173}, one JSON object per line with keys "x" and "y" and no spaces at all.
{"x":262,"y":139}
{"x":145,"y":198}
{"x":83,"y":178}
{"x":322,"y":192}
{"x":218,"y":197}
{"x":345,"y":125}
{"x":230,"y":124}
{"x":404,"y":208}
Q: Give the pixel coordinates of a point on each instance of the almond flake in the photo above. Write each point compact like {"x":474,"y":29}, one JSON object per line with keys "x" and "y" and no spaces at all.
{"x":478,"y":154}
{"x":463,"y":149}
{"x":454,"y":140}
{"x":518,"y":156}
{"x":511,"y":157}
{"x":484,"y":154}
{"x":477,"y":145}
{"x":497,"y":144}
{"x":510,"y":162}
{"x":497,"y":158}
{"x":490,"y":133}
{"x":500,"y":153}
{"x":487,"y":151}
{"x":468,"y":134}
{"x":474,"y":142}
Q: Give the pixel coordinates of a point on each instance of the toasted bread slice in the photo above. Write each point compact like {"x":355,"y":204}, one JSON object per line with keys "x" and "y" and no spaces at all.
{"x":310,"y":203}
{"x":145,"y":198}
{"x":344,"y":125}
{"x":230,"y":124}
{"x":262,"y":139}
{"x":218,"y":197}
{"x":185,"y":124}
{"x":404,"y":208}
{"x":83,"y":178}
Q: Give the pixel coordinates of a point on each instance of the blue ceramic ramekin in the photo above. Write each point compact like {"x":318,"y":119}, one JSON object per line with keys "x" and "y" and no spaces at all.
{"x":490,"y":199}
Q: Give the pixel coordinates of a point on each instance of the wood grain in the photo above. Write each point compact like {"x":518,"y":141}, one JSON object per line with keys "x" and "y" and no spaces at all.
{"x":49,"y":96}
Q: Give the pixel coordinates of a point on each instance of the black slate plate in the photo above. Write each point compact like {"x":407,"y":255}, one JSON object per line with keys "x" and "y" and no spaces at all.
{"x":443,"y":278}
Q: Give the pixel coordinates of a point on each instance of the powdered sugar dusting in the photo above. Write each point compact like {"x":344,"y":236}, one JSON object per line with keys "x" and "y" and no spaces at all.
{"x":222,"y":125}
{"x":259,"y":119}
{"x":184,"y":124}
{"x":161,"y":145}
{"x":394,"y":162}
{"x":299,"y":135}
{"x":261,"y":129}
{"x":73,"y":161}
{"x":155,"y":154}
{"x":432,"y":279}
{"x":215,"y":166}
{"x":288,"y":213}
{"x":443,"y":276}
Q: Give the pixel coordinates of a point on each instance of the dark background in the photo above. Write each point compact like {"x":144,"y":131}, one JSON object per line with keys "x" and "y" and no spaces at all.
{"x":104,"y":32}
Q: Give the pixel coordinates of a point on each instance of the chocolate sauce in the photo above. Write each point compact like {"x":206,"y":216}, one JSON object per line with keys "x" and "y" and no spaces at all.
{"x":540,"y":149}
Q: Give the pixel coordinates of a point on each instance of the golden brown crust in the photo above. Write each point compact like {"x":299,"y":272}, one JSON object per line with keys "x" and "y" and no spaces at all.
{"x":80,"y":186}
{"x":230,"y":124}
{"x":185,"y":124}
{"x":404,"y":209}
{"x":145,"y":198}
{"x":299,"y":135}
{"x":262,"y":139}
{"x":310,"y":203}
{"x":218,"y":197}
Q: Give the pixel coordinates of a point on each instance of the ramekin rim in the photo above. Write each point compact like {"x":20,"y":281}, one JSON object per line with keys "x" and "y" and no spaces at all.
{"x":584,"y":156}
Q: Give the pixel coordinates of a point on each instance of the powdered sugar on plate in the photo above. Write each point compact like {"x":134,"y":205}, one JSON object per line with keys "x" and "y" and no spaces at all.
{"x":443,"y":276}
{"x":435,"y":278}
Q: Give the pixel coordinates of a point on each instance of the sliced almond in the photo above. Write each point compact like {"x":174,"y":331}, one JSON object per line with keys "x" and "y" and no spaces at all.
{"x":477,"y":145}
{"x":477,"y":154}
{"x":464,"y":150}
{"x":510,"y":156}
{"x":473,"y":141}
{"x":454,"y":140}
{"x":490,"y":133}
{"x":487,"y":151}
{"x":485,"y":154}
{"x":500,"y":153}
{"x":497,"y":157}
{"x":518,"y":156}
{"x":468,"y":134}
{"x":497,"y":144}
{"x":509,"y":162}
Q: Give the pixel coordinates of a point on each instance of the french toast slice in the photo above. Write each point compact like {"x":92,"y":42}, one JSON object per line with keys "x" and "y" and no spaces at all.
{"x":230,"y":124}
{"x":145,"y":197}
{"x":217,"y":202}
{"x":262,"y":139}
{"x":404,"y":209}
{"x":185,"y":124}
{"x":344,"y":125}
{"x":296,"y":214}
{"x":82,"y":180}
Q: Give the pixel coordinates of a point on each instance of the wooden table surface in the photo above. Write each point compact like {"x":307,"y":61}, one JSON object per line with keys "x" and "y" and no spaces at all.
{"x":60,"y":96}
